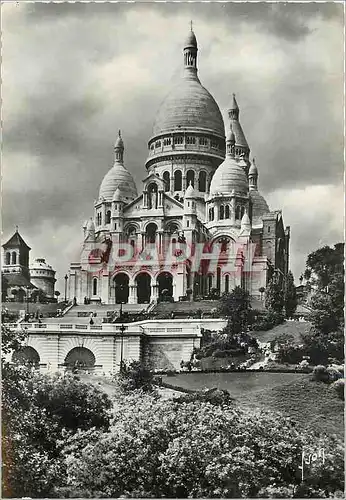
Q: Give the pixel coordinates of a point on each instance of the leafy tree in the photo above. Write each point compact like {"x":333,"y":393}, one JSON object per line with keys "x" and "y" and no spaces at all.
{"x":290,"y":296}
{"x":237,"y":308}
{"x":36,"y":411}
{"x":325,"y":274}
{"x":159,"y":448}
{"x":274,"y":296}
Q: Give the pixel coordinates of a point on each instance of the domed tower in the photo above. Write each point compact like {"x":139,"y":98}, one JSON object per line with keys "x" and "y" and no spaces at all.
{"x":229,"y":191}
{"x":259,"y":206}
{"x":118,"y":178}
{"x":188,"y":141}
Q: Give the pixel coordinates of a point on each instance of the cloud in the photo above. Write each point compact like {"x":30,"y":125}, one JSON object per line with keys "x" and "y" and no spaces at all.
{"x":73,"y":74}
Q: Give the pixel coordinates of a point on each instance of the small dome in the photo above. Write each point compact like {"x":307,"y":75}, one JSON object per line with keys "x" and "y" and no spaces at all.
{"x":253,"y":169}
{"x":189,"y":106}
{"x":190,"y":40}
{"x":245,"y":222}
{"x":117,"y":195}
{"x":228,"y":177}
{"x":40,"y":264}
{"x":190,"y":192}
{"x":259,"y":204}
{"x":118,"y":177}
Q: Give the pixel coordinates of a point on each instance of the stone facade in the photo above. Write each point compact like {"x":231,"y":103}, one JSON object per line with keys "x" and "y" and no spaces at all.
{"x":200,"y":190}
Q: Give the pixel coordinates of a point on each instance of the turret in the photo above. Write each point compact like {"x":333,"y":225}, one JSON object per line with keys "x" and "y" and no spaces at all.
{"x":90,"y":230}
{"x":253,"y":175}
{"x":190,"y":55}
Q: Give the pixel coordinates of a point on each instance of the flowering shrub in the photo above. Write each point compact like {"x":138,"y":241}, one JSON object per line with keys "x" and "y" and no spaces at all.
{"x":159,"y":448}
{"x":339,"y":387}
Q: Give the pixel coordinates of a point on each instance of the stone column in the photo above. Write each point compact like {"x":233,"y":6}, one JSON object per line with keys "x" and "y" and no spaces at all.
{"x":132,"y":293}
{"x":154,"y":291}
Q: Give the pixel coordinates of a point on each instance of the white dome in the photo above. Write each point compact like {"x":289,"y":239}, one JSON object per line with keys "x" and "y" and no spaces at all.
{"x":190,"y":192}
{"x":118,"y":177}
{"x":259,"y":204}
{"x":189,"y":106}
{"x":228,"y":177}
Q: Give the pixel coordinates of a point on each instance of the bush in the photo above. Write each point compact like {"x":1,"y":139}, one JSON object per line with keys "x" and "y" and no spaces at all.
{"x":268,"y":321}
{"x":333,"y":374}
{"x":170,"y":449}
{"x":320,"y":374}
{"x":216,"y":397}
{"x":135,"y":376}
{"x":339,"y":387}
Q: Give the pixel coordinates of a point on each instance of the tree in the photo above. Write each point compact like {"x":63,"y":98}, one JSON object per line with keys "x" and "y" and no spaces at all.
{"x":325,"y":274}
{"x":36,"y":411}
{"x":290,"y":296}
{"x":236,"y":307}
{"x":274,"y":296}
{"x":169,"y":449}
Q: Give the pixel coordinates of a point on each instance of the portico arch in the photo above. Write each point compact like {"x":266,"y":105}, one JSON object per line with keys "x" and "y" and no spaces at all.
{"x":143,"y":283}
{"x":165,"y":282}
{"x":26,"y":355}
{"x":121,"y":285}
{"x":80,"y":357}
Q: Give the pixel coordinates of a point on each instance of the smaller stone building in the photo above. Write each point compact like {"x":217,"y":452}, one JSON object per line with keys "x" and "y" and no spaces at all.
{"x":21,"y":282}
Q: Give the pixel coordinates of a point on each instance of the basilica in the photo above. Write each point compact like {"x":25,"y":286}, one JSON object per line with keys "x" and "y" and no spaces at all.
{"x":198,"y":226}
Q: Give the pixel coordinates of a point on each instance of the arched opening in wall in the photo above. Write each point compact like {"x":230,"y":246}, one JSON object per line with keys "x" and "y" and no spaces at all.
{"x":26,"y":356}
{"x":242,"y":212}
{"x":152,"y":195}
{"x":108,"y":217}
{"x":190,"y":178}
{"x":80,"y":358}
{"x":166,"y":179}
{"x":150,"y":233}
{"x":131,"y":236}
{"x":165,"y":282}
{"x":178,"y":180}
{"x":218,"y":279}
{"x":227,"y":212}
{"x":202,"y":182}
{"x":227,"y":283}
{"x":121,"y":285}
{"x":222,"y":212}
{"x":237,"y":213}
{"x":95,"y":283}
{"x":143,"y":282}
{"x":14,"y":258}
{"x":8,"y":258}
{"x":210,"y":282}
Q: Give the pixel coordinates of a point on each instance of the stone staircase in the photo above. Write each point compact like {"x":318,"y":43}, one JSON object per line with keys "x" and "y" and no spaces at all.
{"x":80,"y":314}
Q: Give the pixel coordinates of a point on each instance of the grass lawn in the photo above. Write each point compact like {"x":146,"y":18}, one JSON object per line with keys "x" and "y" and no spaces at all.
{"x":294,"y":328}
{"x":313,"y":405}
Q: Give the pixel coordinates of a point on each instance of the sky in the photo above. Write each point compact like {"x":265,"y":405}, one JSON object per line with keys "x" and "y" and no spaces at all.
{"x":73,"y":74}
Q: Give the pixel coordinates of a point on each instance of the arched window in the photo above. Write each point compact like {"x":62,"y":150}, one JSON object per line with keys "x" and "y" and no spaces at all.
{"x":190,"y":178}
{"x":227,"y":283}
{"x":218,"y":279}
{"x":95,"y":286}
{"x":237,"y":213}
{"x":8,"y":258}
{"x":242,"y":212}
{"x":227,"y":212}
{"x":151,"y":233}
{"x":108,"y":217}
{"x":166,"y":179}
{"x":14,"y":258}
{"x":152,"y":195}
{"x":210,"y":214}
{"x":202,"y":182}
{"x":178,"y":180}
{"x":222,"y":212}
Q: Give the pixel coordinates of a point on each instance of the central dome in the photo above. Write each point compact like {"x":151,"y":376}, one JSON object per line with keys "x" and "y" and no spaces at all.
{"x":189,"y":106}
